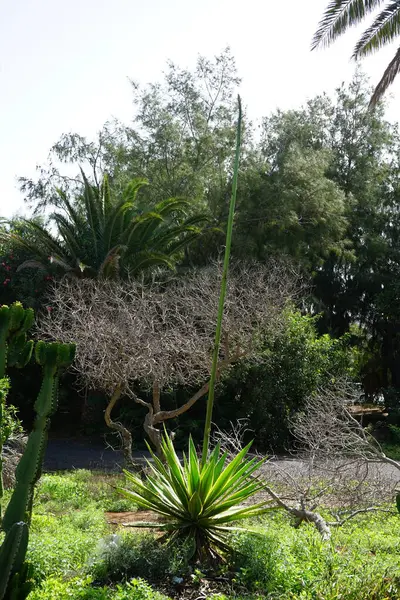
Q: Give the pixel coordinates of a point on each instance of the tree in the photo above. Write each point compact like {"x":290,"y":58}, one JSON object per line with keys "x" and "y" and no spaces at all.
{"x":292,"y":208}
{"x":181,"y":139}
{"x":162,"y":334}
{"x":353,"y":272}
{"x":340,"y":15}
{"x":101,"y":234}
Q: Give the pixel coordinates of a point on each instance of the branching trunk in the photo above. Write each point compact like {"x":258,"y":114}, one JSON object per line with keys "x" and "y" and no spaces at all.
{"x":116,"y":426}
{"x":303,"y":515}
{"x":164,"y":415}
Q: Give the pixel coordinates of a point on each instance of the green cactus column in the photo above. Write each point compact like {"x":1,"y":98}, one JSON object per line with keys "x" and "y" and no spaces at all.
{"x":3,"y":433}
{"x":15,"y":350}
{"x":52,"y":357}
{"x":13,"y":571}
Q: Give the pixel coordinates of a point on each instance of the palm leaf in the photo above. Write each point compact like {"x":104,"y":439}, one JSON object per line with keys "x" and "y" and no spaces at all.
{"x":383,"y":30}
{"x":141,"y":229}
{"x":132,"y":188}
{"x":74,"y":216}
{"x":172,"y":205}
{"x":69,"y":235}
{"x":146,"y":259}
{"x":113,"y":228}
{"x":105,"y":196}
{"x":339,"y":16}
{"x":44,"y":243}
{"x":93,"y":212}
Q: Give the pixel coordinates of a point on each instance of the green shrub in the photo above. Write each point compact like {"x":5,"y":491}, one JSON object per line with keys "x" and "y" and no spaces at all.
{"x":61,"y":545}
{"x":291,"y":366}
{"x":359,"y":563}
{"x":126,"y":555}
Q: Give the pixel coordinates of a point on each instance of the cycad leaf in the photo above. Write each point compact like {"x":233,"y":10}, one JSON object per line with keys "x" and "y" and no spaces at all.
{"x":93,"y":212}
{"x":131,"y":189}
{"x":172,"y":205}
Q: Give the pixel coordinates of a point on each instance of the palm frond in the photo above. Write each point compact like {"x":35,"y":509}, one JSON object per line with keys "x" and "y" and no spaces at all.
{"x":68,"y":234}
{"x":172,"y":205}
{"x":44,"y":243}
{"x":141,"y":230}
{"x":93,"y":212}
{"x":167,"y":234}
{"x":383,"y":30}
{"x":338,"y":17}
{"x":132,"y":188}
{"x":389,"y":76}
{"x":73,"y":215}
{"x":146,"y":259}
{"x":114,"y":229}
{"x":175,"y":247}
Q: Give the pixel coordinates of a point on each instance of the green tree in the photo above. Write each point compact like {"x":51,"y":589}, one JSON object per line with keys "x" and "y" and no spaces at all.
{"x":340,"y":15}
{"x":25,"y":285}
{"x":292,"y":209}
{"x":182,"y":140}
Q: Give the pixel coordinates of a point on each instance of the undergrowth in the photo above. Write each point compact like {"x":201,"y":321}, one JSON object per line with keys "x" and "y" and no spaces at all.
{"x":76,"y":554}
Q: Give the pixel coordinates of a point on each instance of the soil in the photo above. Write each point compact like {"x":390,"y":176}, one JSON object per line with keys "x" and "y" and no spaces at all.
{"x":124,"y":518}
{"x":85,"y":453}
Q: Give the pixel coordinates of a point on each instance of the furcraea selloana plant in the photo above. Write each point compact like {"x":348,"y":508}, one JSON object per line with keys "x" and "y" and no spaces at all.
{"x":52,"y":357}
{"x":200,"y":499}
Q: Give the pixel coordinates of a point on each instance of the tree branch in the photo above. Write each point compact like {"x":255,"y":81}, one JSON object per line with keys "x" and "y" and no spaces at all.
{"x":115,"y":426}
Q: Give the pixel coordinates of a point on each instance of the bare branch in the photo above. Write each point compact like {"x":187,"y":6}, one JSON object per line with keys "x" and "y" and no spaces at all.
{"x":162,"y":333}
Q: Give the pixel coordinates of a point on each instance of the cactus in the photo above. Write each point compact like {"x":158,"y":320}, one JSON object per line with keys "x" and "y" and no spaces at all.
{"x":13,"y":575}
{"x":4,"y":433}
{"x":52,"y":357}
{"x":16,"y":350}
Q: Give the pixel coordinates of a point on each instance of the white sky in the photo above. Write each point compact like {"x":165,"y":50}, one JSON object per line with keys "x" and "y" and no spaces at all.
{"x":64,"y":65}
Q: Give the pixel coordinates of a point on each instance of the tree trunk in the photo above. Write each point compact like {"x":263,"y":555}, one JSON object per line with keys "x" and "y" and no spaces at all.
{"x":125,"y":435}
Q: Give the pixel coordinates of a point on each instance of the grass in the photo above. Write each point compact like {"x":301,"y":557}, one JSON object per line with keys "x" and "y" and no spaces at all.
{"x":76,"y":554}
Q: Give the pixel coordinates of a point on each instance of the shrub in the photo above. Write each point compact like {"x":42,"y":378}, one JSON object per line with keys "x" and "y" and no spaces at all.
{"x":121,"y":557}
{"x":61,"y":545}
{"x":291,"y":366}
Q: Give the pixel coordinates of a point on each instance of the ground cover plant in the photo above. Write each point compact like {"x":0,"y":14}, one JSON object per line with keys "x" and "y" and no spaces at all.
{"x":76,"y":554}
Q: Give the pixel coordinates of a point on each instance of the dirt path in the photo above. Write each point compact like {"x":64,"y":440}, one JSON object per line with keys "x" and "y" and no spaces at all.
{"x":67,"y":454}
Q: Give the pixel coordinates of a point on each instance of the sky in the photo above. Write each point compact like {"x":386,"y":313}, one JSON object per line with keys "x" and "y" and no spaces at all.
{"x":65,"y":66}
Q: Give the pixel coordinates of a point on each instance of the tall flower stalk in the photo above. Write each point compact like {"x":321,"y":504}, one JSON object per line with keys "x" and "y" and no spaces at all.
{"x":224,"y":282}
{"x":200,"y":499}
